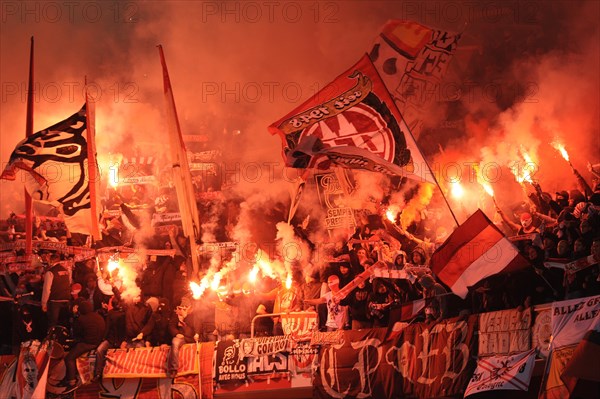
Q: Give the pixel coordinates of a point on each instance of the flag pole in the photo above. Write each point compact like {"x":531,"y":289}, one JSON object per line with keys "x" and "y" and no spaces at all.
{"x":181,"y":170}
{"x":29,"y":132}
{"x":93,"y":175}
{"x":432,"y":175}
{"x":420,"y":153}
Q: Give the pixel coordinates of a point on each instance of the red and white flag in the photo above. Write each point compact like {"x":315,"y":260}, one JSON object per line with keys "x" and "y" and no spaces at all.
{"x":502,"y":373}
{"x":475,"y":250}
{"x":407,"y":311}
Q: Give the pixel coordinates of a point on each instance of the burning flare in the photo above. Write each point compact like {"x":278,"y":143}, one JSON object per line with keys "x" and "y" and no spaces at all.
{"x":253,"y":275}
{"x":457,"y":190}
{"x":488,"y":189}
{"x":197,"y":289}
{"x":524,"y":174}
{"x":112,"y":265}
{"x":288,"y":282}
{"x":563,"y":151}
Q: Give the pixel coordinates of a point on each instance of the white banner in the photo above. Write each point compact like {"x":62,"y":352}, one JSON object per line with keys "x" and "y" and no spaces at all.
{"x":262,"y":346}
{"x":138,"y":180}
{"x":166,"y":217}
{"x":504,"y":332}
{"x":502,"y":373}
{"x":573,"y":318}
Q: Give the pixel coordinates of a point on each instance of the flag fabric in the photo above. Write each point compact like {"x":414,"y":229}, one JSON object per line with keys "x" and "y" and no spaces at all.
{"x":353,"y":123}
{"x":57,"y":161}
{"x":32,"y":370}
{"x":502,"y":373}
{"x":571,"y":321}
{"x":475,"y":250}
{"x":407,"y":311}
{"x":581,"y":372}
{"x":181,"y":171}
{"x":412,"y":60}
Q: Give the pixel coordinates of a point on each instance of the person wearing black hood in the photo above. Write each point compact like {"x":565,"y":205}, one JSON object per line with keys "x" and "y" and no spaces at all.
{"x":88,"y":332}
{"x":379,"y":303}
{"x":114,"y":337}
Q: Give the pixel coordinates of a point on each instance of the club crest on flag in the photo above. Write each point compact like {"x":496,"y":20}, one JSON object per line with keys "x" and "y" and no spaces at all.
{"x":352,"y":123}
{"x":57,"y":161}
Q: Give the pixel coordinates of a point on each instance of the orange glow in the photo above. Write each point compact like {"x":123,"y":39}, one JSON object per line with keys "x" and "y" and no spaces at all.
{"x":196,"y":289}
{"x":524,"y":174}
{"x":561,"y":148}
{"x":113,"y":176}
{"x":288,"y":282}
{"x":112,"y":265}
{"x":457,"y":190}
{"x":216,"y":281}
{"x":488,"y":189}
{"x":253,"y":275}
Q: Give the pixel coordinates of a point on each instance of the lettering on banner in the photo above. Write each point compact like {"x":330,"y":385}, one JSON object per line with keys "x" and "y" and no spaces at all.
{"x":275,"y":363}
{"x":333,"y":201}
{"x":455,"y":352}
{"x":229,"y":365}
{"x":504,"y":332}
{"x":331,"y":381}
{"x":299,"y":325}
{"x":303,"y":356}
{"x":365,"y":366}
{"x":263,"y":346}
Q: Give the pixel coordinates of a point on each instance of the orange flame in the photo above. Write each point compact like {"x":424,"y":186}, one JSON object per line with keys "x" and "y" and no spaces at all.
{"x":288,"y":282}
{"x":488,"y":189}
{"x":392,"y":213}
{"x":216,"y":281}
{"x":197,"y":289}
{"x":524,"y":174}
{"x":112,"y":265}
{"x":561,"y":148}
{"x":457,"y":190}
{"x":482,"y":182}
{"x":253,"y":275}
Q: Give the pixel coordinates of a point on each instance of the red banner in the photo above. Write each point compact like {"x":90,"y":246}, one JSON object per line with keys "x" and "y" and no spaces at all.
{"x":299,"y":325}
{"x":148,"y":362}
{"x":423,"y":361}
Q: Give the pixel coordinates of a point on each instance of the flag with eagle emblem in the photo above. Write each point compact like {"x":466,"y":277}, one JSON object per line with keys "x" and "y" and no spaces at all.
{"x":353,"y":123}
{"x":57,"y":164}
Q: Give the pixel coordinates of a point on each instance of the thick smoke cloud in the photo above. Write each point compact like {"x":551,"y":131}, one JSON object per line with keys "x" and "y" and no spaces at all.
{"x":524,"y":75}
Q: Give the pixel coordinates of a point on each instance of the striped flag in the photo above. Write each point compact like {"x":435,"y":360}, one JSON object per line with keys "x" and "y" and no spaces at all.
{"x":407,"y":311}
{"x":475,"y":250}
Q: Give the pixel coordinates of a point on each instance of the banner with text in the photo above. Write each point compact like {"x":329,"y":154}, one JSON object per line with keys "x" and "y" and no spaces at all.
{"x":423,"y":361}
{"x":504,"y":332}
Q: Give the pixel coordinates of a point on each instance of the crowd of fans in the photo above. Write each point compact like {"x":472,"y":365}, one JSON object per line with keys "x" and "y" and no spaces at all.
{"x":81,"y":305}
